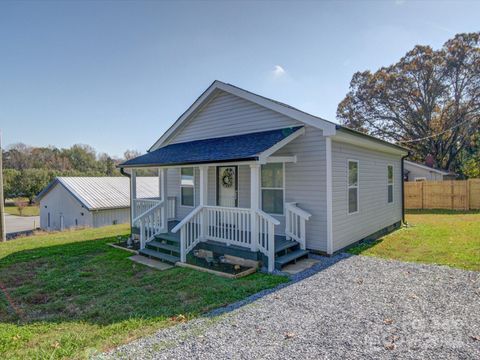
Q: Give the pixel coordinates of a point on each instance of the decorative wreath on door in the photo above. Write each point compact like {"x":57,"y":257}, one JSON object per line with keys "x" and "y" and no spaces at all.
{"x":227,"y":178}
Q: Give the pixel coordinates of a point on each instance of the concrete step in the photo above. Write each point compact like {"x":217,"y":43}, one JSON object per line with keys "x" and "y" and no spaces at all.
{"x":290,"y":257}
{"x":159,"y":255}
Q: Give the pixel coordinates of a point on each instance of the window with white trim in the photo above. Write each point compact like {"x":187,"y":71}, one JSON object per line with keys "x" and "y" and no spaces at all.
{"x":352,"y":179}
{"x":187,"y":187}
{"x":272,"y":188}
{"x":390,"y":184}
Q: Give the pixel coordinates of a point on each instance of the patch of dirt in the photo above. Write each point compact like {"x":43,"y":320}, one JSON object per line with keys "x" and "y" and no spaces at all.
{"x":37,"y":299}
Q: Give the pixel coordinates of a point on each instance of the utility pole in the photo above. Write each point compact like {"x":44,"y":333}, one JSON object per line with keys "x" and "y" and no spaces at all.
{"x":2,"y":202}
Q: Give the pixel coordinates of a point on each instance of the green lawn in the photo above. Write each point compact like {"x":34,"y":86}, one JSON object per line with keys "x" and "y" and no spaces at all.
{"x":32,"y":210}
{"x":69,"y":295}
{"x":441,"y":237}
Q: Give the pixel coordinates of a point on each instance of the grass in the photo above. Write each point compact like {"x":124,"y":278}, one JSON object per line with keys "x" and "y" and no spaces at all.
{"x":70,"y":295}
{"x":31,"y":210}
{"x":441,"y":237}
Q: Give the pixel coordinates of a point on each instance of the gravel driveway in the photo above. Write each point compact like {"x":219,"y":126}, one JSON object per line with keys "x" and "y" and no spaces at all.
{"x":353,"y":307}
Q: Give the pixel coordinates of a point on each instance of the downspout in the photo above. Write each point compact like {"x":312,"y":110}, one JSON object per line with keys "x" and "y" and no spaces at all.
{"x":130,"y":239}
{"x":403,"y":190}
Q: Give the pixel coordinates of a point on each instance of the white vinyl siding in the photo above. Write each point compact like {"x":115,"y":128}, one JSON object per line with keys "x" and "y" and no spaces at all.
{"x":374,"y":212}
{"x":227,"y":114}
{"x":59,"y":202}
{"x":305,"y":184}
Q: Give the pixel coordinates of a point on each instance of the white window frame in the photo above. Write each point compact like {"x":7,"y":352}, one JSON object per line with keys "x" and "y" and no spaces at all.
{"x":353,"y":187}
{"x":273,"y":188}
{"x":187,"y":186}
{"x":392,"y":184}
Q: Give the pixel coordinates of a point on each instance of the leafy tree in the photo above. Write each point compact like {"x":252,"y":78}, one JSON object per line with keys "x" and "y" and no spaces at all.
{"x":10,"y":179}
{"x":32,"y":181}
{"x":432,"y":95}
{"x":82,"y":157}
{"x":107,"y":165}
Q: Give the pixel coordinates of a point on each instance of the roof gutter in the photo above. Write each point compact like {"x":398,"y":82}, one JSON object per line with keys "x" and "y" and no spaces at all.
{"x":122,"y":171}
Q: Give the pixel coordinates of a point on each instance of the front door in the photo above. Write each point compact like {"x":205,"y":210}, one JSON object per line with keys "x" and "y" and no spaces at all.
{"x":227,"y":186}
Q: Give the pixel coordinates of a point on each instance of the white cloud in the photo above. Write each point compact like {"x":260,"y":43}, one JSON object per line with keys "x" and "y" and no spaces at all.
{"x":278,"y":71}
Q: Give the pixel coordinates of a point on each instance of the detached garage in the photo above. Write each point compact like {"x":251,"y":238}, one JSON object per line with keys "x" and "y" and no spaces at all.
{"x":69,"y":202}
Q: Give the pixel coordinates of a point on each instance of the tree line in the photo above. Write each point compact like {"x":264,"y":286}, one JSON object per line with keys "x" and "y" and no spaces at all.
{"x":28,"y":170}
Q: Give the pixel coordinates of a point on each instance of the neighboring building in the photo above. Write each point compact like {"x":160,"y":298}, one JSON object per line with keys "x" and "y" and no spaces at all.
{"x":272,"y":180}
{"x":418,"y":172}
{"x":69,"y":202}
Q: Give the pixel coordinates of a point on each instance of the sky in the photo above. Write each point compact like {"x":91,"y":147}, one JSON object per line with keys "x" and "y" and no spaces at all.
{"x":116,"y":74}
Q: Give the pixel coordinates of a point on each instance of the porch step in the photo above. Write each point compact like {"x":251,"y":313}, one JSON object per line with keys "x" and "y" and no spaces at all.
{"x":283,"y":244}
{"x":159,"y":255}
{"x":169,"y":237}
{"x":166,"y":246}
{"x":291,"y":256}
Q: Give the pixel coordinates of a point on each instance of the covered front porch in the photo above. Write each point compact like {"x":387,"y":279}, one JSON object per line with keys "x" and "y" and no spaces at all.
{"x":221,"y":204}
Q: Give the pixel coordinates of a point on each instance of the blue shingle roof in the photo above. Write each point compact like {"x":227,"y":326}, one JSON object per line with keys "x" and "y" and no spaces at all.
{"x":230,"y":148}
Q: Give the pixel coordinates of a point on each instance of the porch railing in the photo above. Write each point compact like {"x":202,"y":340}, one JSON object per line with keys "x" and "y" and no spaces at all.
{"x":151,"y":222}
{"x":295,"y":219}
{"x":234,"y":226}
{"x":140,"y":206}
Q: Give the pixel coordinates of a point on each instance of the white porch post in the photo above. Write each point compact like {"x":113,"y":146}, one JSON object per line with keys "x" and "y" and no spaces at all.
{"x":162,"y":177}
{"x":203,"y":200}
{"x":254,"y":202}
{"x":133,"y":195}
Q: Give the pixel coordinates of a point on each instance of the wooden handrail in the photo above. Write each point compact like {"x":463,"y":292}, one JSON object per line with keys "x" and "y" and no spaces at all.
{"x":160,"y":203}
{"x":187,"y":218}
{"x":268,"y":217}
{"x":300,"y":212}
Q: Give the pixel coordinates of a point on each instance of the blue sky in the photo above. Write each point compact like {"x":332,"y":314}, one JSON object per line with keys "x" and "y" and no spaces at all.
{"x":116,"y":75}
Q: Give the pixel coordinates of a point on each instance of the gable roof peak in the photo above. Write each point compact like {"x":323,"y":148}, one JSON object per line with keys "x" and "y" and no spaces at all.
{"x":328,"y":128}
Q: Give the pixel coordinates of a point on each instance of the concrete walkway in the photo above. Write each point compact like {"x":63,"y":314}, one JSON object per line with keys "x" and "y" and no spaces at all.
{"x":355,"y":307}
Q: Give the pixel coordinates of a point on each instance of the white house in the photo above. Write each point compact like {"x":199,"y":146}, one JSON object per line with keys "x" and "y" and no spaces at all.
{"x":263,"y":178}
{"x":90,"y":201}
{"x":418,"y":172}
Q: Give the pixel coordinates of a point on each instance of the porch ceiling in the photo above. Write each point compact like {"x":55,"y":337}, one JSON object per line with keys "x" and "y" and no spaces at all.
{"x":245,"y":147}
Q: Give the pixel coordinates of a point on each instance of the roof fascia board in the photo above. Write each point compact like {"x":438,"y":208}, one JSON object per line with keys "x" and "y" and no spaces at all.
{"x":366,"y":142}
{"x":427,"y":167}
{"x":246,"y":161}
{"x":327,"y":127}
{"x":202,"y":100}
{"x":262,"y":157}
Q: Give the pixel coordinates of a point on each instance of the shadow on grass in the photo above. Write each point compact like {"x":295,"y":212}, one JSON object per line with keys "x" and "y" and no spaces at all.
{"x":92,"y":282}
{"x":440,"y":212}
